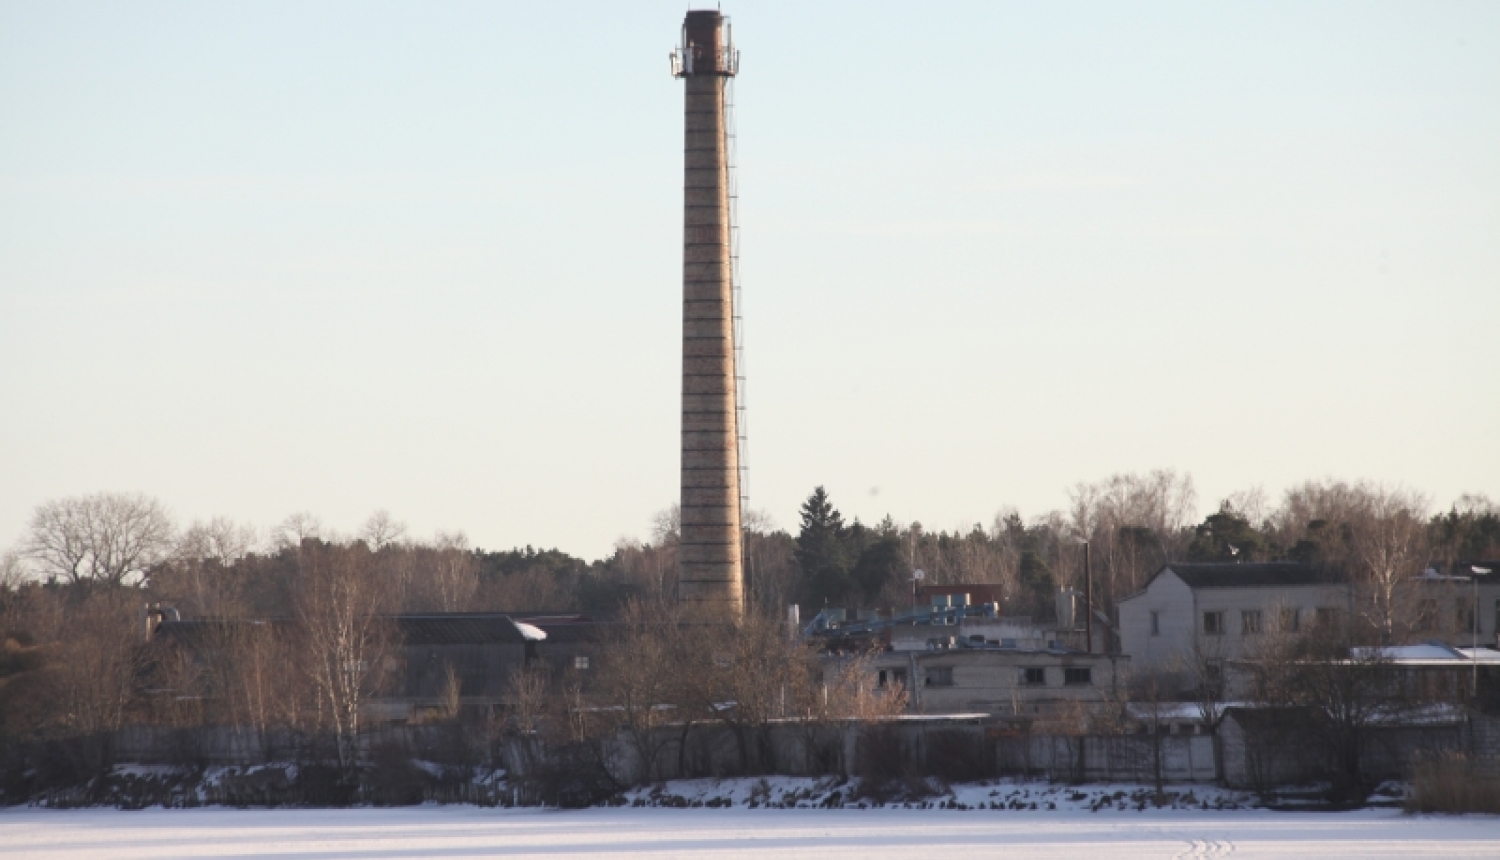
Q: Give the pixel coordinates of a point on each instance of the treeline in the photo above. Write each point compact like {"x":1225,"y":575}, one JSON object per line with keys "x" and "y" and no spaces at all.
{"x":1365,"y":533}
{"x":78,"y":668}
{"x":1369,"y":535}
{"x":305,"y":640}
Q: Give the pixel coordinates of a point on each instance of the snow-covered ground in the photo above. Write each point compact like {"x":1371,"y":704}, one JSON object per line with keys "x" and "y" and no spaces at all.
{"x":456,"y":832}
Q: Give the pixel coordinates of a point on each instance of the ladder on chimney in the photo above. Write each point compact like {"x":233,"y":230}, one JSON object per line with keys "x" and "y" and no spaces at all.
{"x":736,"y":300}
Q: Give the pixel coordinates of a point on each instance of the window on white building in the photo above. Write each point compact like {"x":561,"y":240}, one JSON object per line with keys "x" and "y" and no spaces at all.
{"x":1250,"y":622}
{"x":1291,"y":620}
{"x":940,"y":676}
{"x":1213,"y":623}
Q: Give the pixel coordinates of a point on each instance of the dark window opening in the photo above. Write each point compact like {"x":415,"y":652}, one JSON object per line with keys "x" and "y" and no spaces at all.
{"x":891,"y":678}
{"x":1426,"y":615}
{"x":1213,"y":623}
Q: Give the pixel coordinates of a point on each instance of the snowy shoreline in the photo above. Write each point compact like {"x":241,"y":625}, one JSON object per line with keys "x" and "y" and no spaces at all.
{"x":721,"y":834}
{"x":274,"y":787}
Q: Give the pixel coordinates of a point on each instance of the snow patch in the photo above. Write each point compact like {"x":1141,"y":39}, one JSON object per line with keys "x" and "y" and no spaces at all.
{"x":531,"y":632}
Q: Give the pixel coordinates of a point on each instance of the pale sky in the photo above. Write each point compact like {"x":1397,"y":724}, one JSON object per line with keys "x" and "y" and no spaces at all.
{"x":258,"y":258}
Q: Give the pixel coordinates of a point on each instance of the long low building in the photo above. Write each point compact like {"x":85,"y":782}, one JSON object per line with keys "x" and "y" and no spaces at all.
{"x":432,"y":655}
{"x":1006,"y":681}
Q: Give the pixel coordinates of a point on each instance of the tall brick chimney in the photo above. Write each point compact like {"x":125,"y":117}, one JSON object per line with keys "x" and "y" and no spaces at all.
{"x":710,"y":569}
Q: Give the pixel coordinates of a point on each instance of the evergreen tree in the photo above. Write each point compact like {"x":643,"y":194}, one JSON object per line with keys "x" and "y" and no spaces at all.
{"x":878,"y":564}
{"x":1228,"y":536}
{"x":1035,"y":579}
{"x":822,"y":553}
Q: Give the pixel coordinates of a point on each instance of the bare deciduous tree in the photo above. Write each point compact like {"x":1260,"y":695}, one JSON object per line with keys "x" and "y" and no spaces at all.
{"x":95,"y":661}
{"x":847,"y":689}
{"x":12,"y":570}
{"x":295,"y":529}
{"x":345,"y":640}
{"x":455,"y":575}
{"x":266,"y":692}
{"x":1389,"y":541}
{"x":1133,"y":524}
{"x":111,"y":538}
{"x":649,"y":568}
{"x":770,"y":565}
{"x":202,"y":560}
{"x":382,"y":530}
{"x":528,"y":691}
{"x":220,"y":540}
{"x":642,"y":680}
{"x":1345,"y":692}
{"x":666,"y":525}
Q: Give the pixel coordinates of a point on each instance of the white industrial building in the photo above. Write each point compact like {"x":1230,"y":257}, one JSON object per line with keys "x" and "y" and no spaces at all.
{"x":1217,"y":612}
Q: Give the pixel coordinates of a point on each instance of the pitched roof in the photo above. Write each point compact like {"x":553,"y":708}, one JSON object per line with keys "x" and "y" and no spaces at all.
{"x":1231,"y":575}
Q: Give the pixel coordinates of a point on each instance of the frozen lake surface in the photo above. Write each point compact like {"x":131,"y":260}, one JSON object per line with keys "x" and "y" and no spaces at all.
{"x":457,"y":832}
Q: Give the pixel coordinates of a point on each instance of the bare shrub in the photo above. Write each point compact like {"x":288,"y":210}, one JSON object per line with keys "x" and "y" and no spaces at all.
{"x":955,"y":755}
{"x":392,"y":779}
{"x":1454,"y":783}
{"x":885,"y":765}
{"x":645,"y":676}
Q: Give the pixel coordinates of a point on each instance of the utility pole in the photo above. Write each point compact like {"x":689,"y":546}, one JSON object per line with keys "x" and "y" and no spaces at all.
{"x":1475,"y":572}
{"x":1088,"y":599}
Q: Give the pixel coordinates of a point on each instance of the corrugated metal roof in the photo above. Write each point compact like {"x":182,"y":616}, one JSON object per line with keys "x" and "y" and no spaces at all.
{"x":458,"y":629}
{"x":570,"y":632}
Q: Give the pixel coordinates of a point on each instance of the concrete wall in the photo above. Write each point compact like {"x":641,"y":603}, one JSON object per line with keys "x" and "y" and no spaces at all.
{"x":953,"y":750}
{"x":1131,"y":758}
{"x":1265,"y":749}
{"x":242,"y":745}
{"x":1249,"y":753}
{"x":1260,"y":753}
